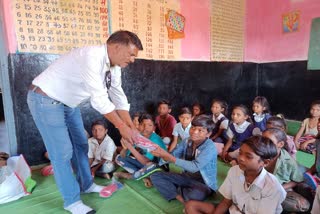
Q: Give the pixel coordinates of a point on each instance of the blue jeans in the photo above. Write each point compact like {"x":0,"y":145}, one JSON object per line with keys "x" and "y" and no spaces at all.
{"x":130,"y":164}
{"x":171,"y":184}
{"x":62,"y":131}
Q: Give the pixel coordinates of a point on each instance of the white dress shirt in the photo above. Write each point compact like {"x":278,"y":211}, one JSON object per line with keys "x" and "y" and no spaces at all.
{"x":263,"y":196}
{"x":80,"y":75}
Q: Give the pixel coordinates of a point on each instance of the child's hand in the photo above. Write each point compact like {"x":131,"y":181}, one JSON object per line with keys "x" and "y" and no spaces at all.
{"x":157,"y":152}
{"x":224,"y":155}
{"x":303,"y":146}
{"x":124,"y":143}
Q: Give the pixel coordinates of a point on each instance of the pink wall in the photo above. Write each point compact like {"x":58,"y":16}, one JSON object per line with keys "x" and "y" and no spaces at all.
{"x":196,"y":44}
{"x":265,"y":41}
{"x":11,"y":42}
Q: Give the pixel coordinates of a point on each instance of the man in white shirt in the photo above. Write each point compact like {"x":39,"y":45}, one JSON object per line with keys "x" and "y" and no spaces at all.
{"x":93,"y":73}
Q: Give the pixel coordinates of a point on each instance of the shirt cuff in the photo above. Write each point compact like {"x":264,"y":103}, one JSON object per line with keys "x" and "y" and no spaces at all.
{"x":123,"y":106}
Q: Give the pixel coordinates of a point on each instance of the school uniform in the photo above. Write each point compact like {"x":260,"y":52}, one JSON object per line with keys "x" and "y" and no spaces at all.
{"x":260,"y":121}
{"x":238,"y":133}
{"x":221,"y":122}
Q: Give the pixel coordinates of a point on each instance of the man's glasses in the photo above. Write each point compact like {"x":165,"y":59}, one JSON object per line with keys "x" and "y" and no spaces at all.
{"x":107,"y":79}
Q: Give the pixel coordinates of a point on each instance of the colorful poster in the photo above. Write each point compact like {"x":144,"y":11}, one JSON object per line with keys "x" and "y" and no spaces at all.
{"x":175,"y":24}
{"x":227,"y":30}
{"x":57,"y":26}
{"x":290,"y":22}
{"x":147,"y":19}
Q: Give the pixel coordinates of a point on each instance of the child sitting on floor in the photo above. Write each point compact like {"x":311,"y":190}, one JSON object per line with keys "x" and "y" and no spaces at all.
{"x":248,"y":187}
{"x":197,"y":109}
{"x":312,"y":176}
{"x":101,"y":150}
{"x":181,"y":129}
{"x":135,"y":120}
{"x":141,"y":158}
{"x":286,"y":170}
{"x":305,"y":137}
{"x":278,"y":122}
{"x":261,"y":109}
{"x":219,"y":109}
{"x":197,"y":156}
{"x":240,"y":129}
{"x":165,"y":122}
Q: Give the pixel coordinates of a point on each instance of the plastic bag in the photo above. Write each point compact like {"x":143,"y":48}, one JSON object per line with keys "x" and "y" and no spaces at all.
{"x":16,"y":180}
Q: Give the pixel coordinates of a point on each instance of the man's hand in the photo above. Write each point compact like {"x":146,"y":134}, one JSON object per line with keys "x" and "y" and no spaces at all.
{"x":127,"y":133}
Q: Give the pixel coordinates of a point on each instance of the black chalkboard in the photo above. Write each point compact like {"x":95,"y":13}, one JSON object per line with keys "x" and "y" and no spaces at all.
{"x":287,"y":85}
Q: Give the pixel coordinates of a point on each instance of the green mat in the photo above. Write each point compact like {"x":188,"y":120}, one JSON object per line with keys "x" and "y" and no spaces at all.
{"x":133,"y":198}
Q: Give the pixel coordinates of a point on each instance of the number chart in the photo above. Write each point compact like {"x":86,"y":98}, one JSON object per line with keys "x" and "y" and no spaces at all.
{"x":147,"y":19}
{"x":57,"y":26}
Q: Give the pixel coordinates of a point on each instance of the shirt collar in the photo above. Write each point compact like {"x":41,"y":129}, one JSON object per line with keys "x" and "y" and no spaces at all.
{"x":242,"y":127}
{"x":215,"y":119}
{"x":259,"y":181}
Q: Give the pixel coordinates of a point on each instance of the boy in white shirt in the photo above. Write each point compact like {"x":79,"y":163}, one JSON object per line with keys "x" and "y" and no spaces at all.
{"x":101,"y":150}
{"x":248,"y":187}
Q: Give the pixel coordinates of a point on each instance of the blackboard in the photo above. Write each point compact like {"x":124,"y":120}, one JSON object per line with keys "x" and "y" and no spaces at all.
{"x":289,"y":87}
{"x":314,"y":47}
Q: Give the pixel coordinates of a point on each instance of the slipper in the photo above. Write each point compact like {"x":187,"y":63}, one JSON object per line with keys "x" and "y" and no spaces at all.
{"x":146,"y":171}
{"x":47,"y":170}
{"x":310,"y":180}
{"x":108,"y":190}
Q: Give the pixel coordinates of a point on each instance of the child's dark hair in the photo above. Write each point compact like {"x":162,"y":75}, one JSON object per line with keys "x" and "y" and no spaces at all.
{"x":245,"y":111}
{"x":223,"y":105}
{"x":315,"y":102}
{"x":137,"y":114}
{"x":4,"y":156}
{"x":203,"y":121}
{"x":277,"y":122}
{"x":279,"y":135}
{"x":166,"y":102}
{"x":201,"y":107}
{"x":261,"y":146}
{"x":185,"y":110}
{"x":263,"y":102}
{"x":146,"y":116}
{"x":99,"y":122}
